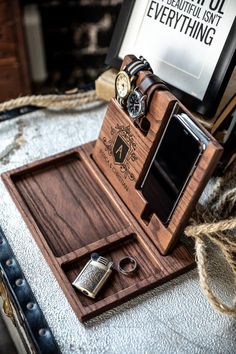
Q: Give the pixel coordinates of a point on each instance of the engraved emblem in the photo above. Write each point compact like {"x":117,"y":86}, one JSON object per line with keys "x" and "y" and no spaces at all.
{"x":91,"y":277}
{"x":122,"y":147}
{"x":120,"y":150}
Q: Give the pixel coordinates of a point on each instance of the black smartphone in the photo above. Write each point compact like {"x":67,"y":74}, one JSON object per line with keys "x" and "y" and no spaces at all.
{"x":174,"y":161}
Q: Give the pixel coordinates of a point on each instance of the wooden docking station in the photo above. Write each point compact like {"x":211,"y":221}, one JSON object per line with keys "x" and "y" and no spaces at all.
{"x":88,"y":199}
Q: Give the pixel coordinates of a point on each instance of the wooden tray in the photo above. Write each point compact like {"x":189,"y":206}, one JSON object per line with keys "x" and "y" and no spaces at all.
{"x":72,"y":210}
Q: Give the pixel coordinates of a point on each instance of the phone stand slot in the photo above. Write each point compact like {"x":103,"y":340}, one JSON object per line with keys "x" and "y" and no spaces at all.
{"x":147,"y":214}
{"x":144,"y":126}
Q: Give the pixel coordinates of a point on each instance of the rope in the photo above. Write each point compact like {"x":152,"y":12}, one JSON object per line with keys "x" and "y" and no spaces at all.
{"x":221,"y":204}
{"x":202,"y":261}
{"x":65,"y":102}
{"x":209,"y":228}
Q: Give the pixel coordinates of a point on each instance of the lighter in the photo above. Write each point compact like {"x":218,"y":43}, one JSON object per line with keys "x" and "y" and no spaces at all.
{"x":94,"y":275}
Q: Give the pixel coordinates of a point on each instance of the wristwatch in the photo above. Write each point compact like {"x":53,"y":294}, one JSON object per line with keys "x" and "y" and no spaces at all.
{"x":139,"y":99}
{"x":125,"y":78}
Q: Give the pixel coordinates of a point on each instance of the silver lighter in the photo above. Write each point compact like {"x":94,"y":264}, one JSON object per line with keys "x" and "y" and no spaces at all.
{"x":94,"y":275}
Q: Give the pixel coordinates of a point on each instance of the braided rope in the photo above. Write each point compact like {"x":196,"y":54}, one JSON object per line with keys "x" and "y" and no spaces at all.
{"x":208,"y":228}
{"x":202,"y":261}
{"x":65,"y":102}
{"x":222,"y":203}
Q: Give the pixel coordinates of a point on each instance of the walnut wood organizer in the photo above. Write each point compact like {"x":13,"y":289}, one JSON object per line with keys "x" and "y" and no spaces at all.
{"x":84,"y":200}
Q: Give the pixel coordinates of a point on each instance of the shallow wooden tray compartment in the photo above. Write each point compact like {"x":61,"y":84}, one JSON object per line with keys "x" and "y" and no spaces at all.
{"x":66,"y":200}
{"x":72,"y":210}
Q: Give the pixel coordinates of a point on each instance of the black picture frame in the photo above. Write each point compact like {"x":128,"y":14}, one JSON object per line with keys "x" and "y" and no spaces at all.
{"x":219,"y":79}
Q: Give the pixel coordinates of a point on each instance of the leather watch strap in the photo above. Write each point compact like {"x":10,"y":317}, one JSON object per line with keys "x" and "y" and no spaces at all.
{"x":149,"y":84}
{"x":153,"y":88}
{"x":148,"y":81}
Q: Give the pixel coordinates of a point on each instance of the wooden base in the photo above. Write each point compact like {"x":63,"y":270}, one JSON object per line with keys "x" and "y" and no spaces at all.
{"x":72,"y":210}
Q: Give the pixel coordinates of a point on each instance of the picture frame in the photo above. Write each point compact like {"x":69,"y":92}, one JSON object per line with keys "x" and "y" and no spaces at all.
{"x":196,"y":69}
{"x":224,"y":130}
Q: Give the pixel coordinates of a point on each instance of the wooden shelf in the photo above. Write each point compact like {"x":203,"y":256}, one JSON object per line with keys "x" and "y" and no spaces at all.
{"x":14,"y":74}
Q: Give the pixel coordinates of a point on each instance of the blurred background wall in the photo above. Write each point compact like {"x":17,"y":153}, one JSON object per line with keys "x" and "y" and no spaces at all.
{"x":50,"y":45}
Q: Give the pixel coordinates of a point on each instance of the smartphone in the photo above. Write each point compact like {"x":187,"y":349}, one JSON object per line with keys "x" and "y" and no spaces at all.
{"x":176,"y":157}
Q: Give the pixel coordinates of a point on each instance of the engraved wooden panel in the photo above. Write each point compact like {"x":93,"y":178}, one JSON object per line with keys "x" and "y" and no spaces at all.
{"x":126,"y":178}
{"x":118,"y":133}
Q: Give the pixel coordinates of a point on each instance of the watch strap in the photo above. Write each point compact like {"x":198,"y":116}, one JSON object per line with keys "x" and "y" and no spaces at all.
{"x":148,"y":81}
{"x":153,"y":88}
{"x":137,"y":65}
{"x":149,"y":84}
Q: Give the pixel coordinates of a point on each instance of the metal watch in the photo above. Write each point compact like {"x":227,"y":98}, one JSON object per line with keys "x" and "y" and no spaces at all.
{"x":125,"y":79}
{"x":139,"y":98}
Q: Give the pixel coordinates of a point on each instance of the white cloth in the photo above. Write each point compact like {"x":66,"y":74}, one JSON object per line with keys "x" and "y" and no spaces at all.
{"x":172,"y":318}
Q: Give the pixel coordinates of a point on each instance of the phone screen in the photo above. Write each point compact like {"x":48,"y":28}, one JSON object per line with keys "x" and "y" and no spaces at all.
{"x":171,"y":168}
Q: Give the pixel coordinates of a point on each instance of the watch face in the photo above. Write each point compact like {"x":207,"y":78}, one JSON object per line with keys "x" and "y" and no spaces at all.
{"x":122,"y":84}
{"x":134,"y":104}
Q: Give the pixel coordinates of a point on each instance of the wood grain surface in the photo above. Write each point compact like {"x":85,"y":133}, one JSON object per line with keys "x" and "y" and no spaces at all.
{"x":67,"y":203}
{"x":66,"y":200}
{"x":116,"y":124}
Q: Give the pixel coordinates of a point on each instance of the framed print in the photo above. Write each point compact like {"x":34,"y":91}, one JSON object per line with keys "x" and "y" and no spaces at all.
{"x":224,"y":130}
{"x":190,"y":45}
